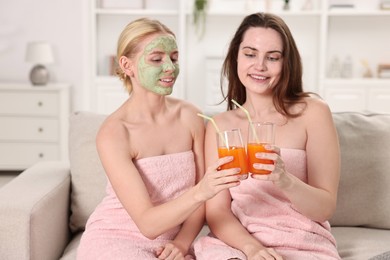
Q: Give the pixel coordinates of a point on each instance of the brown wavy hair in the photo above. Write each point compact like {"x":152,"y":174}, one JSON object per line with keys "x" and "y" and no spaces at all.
{"x":289,"y":89}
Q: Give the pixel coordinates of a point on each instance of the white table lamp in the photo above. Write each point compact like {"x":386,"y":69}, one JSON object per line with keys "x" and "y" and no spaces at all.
{"x":39,"y":53}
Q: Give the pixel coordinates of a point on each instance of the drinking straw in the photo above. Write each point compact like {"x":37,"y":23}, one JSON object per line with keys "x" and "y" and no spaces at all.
{"x":216,"y":128}
{"x":249,"y":119}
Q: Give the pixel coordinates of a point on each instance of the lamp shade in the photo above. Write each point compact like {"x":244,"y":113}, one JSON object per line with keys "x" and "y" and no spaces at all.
{"x":39,"y":52}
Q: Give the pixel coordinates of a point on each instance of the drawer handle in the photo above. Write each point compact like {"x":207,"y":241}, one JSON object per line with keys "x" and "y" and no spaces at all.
{"x":41,"y":155}
{"x":40,"y":129}
{"x":40,"y":103}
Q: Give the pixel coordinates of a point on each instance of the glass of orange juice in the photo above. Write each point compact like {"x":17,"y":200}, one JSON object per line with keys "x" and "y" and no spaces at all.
{"x":259,"y":135}
{"x":230,"y":144}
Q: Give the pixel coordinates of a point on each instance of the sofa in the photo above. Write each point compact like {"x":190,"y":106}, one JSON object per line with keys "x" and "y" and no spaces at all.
{"x":43,"y":211}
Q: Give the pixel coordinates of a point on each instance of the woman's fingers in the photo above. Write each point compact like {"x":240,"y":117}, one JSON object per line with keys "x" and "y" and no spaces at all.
{"x":221,"y":161}
{"x":277,"y":169}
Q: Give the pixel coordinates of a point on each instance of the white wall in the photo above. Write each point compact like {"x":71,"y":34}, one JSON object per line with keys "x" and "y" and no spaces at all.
{"x":66,"y":24}
{"x":60,"y":22}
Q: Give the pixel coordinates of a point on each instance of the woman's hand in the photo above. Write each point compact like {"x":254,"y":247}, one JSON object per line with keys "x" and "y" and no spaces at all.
{"x":265,"y":253}
{"x":170,"y":252}
{"x":216,"y":180}
{"x":278,"y":171}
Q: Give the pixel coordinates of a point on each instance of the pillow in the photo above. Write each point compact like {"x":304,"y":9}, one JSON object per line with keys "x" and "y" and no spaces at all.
{"x":383,"y":256}
{"x":363,"y":196}
{"x":87,"y":173}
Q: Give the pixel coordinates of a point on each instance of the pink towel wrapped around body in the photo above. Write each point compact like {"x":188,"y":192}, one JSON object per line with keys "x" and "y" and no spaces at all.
{"x":270,"y":217}
{"x":111,"y":233}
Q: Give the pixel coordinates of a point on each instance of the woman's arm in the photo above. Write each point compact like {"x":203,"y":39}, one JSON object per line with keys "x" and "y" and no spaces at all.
{"x":221,"y":220}
{"x":192,"y":225}
{"x":317,"y":198}
{"x":114,"y":151}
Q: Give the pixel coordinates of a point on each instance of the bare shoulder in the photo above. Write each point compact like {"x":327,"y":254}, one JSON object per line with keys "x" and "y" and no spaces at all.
{"x":227,"y":118}
{"x":317,"y":112}
{"x":187,"y":107}
{"x":316,"y":107}
{"x":111,"y":130}
{"x":187,"y":112}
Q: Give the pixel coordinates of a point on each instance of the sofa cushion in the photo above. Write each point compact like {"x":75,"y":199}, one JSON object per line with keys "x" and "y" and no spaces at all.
{"x":358,"y":243}
{"x":70,"y":252}
{"x":87,"y":174}
{"x":363,"y":197}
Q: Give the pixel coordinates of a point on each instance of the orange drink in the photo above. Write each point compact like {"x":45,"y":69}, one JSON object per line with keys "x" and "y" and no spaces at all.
{"x":239,"y":155}
{"x":230,"y":144}
{"x":254,"y":148}
{"x":259,"y":135}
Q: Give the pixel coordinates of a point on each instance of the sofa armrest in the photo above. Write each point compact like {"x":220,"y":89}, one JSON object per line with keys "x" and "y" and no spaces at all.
{"x":34,"y":212}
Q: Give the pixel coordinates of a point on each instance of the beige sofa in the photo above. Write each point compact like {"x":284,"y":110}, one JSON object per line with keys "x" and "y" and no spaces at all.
{"x":43,"y":211}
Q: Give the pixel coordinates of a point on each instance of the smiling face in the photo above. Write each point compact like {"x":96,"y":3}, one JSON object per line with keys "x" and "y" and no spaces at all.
{"x":158,"y":65}
{"x":260,"y":59}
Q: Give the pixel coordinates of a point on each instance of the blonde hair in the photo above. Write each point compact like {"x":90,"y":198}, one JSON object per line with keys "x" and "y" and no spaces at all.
{"x":132,"y":35}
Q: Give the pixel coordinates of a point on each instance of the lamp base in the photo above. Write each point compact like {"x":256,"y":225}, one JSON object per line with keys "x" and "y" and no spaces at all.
{"x":39,"y":75}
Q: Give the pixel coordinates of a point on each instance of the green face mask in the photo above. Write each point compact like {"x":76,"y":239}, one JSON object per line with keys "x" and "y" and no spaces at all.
{"x":151,"y":69}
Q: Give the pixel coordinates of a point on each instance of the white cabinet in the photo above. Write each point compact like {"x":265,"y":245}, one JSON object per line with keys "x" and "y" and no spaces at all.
{"x":379,"y":99}
{"x":34,"y":124}
{"x":363,"y":35}
{"x":321,"y":34}
{"x":363,"y":95}
{"x":346,"y":98}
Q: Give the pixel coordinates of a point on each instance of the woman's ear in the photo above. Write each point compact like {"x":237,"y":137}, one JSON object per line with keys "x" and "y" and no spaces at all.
{"x":126,"y":65}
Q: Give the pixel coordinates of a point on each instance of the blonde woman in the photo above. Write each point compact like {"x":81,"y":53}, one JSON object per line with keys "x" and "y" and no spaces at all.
{"x":151,"y":148}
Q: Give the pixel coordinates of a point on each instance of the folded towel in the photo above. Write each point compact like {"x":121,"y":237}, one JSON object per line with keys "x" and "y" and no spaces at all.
{"x":111,"y":233}
{"x":270,"y":217}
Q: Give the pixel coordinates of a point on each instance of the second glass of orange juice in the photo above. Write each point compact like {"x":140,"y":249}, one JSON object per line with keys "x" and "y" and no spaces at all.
{"x":259,"y":135}
{"x":230,"y":144}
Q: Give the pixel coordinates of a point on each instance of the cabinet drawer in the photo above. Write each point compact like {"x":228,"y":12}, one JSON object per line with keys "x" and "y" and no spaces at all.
{"x":23,"y":155}
{"x":346,"y":99}
{"x":379,"y":100}
{"x":31,"y":103}
{"x":29,"y":129}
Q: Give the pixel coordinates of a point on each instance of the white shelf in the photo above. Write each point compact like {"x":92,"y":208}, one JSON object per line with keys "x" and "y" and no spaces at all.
{"x":114,"y":11}
{"x":354,"y":12}
{"x":358,"y":81}
{"x":280,"y":13}
{"x":107,"y":92}
{"x":320,"y":34}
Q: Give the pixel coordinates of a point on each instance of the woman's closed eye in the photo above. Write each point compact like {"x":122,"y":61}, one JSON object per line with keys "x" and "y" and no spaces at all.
{"x":175,"y":57}
{"x":160,"y":59}
{"x":250,"y":55}
{"x":156,"y":59}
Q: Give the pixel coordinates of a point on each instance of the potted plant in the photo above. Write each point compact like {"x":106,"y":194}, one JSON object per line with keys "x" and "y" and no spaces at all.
{"x":199,"y":15}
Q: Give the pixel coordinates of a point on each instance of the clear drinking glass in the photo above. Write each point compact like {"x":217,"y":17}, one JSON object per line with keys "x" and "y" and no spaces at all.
{"x":259,"y":135}
{"x":230,"y":144}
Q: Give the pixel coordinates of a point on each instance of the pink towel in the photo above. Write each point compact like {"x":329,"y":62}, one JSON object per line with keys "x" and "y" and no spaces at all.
{"x":111,"y":233}
{"x":266,"y":213}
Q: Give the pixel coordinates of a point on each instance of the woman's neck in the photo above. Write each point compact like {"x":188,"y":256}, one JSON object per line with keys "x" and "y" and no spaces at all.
{"x":263,"y":110}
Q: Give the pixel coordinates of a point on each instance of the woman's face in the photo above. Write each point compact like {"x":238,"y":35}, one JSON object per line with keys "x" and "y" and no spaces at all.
{"x":260,"y":59}
{"x":157,"y":64}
